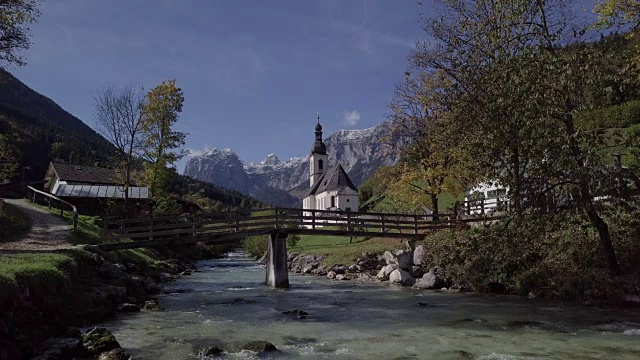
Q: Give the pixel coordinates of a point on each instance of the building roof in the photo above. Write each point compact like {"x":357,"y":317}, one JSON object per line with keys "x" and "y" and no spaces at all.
{"x":100,"y":191}
{"x":85,"y":174}
{"x":334,"y":179}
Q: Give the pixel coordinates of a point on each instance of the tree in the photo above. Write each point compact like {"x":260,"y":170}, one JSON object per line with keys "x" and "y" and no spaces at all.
{"x":118,"y":117}
{"x":618,"y":13}
{"x":161,"y":143}
{"x":15,"y":16}
{"x":521,"y":71}
{"x":8,"y":159}
{"x":419,"y":116}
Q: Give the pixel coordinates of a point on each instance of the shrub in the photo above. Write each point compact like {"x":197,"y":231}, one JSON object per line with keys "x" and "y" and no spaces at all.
{"x":556,"y":256}
{"x":255,"y":246}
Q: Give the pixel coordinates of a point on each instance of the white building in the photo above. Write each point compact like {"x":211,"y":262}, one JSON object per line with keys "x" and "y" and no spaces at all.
{"x":485,"y":198}
{"x":331,"y":187}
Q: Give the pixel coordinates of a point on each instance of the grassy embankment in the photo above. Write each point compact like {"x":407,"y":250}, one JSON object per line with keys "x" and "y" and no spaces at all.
{"x":13,"y":224}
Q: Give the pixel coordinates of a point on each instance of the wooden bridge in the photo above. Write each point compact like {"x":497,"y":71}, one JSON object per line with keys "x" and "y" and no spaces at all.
{"x":234,"y":226}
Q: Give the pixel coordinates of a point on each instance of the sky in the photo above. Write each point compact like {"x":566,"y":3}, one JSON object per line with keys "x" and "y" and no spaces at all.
{"x":254,"y":73}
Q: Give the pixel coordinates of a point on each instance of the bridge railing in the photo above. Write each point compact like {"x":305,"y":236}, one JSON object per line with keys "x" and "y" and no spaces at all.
{"x":290,"y":220}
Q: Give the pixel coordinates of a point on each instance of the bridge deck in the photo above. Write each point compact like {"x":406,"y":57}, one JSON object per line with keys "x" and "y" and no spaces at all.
{"x":236,"y":225}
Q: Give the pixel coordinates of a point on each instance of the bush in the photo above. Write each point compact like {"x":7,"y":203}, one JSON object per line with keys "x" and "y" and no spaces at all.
{"x":555,"y":256}
{"x":255,"y":246}
{"x":13,"y":224}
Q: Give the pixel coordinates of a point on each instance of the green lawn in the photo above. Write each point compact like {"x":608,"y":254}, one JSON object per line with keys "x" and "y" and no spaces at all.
{"x":338,"y":250}
{"x":13,"y":224}
{"x":88,"y":232}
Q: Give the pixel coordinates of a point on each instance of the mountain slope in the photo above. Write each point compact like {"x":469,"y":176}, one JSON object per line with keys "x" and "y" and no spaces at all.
{"x":41,"y":130}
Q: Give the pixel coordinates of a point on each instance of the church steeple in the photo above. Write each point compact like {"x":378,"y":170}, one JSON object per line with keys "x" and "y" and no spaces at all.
{"x":319,"y":160}
{"x":318,"y":146}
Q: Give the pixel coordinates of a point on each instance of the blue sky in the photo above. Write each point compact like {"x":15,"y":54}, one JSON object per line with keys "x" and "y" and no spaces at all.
{"x":254,"y":73}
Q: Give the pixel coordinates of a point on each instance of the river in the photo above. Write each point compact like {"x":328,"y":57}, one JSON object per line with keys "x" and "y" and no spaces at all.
{"x":227,"y":303}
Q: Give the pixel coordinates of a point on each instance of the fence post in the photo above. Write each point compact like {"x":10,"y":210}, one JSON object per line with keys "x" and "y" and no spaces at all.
{"x":415,"y":221}
{"x":75,"y":218}
{"x":277,"y":218}
{"x":61,"y":208}
{"x":313,"y":219}
{"x":237,"y":220}
{"x":482,"y":206}
{"x":382,"y":220}
{"x":348,"y":221}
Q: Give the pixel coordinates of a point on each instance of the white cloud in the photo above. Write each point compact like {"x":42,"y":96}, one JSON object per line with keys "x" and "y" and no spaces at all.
{"x":351,"y":117}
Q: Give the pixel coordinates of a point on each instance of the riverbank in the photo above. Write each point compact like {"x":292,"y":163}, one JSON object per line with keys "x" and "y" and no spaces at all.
{"x":46,"y":293}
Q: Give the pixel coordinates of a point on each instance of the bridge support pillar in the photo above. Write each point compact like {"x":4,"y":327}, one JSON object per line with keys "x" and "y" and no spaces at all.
{"x":277,"y":271}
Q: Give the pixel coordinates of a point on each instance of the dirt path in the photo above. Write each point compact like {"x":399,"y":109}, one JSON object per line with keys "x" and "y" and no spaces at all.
{"x":49,"y":232}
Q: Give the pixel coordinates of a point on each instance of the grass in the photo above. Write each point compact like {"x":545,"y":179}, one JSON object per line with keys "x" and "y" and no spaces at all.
{"x":14,"y":224}
{"x":338,"y":250}
{"x":42,"y":273}
{"x":88,"y":233}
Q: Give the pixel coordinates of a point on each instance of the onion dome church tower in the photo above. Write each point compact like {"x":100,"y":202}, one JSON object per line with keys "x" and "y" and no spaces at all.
{"x":330,"y":187}
{"x":319,"y":160}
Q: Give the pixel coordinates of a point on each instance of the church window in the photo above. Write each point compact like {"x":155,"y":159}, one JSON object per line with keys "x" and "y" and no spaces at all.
{"x":347,"y":200}
{"x":333,"y":201}
{"x":320,"y":164}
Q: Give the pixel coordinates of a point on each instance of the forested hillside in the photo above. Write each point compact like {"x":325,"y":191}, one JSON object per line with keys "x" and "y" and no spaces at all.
{"x":39,"y":130}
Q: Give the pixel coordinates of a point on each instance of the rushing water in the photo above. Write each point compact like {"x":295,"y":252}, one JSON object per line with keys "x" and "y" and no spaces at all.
{"x":226,"y":303}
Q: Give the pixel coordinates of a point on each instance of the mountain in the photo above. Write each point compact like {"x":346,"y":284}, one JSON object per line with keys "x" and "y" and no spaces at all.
{"x":361,"y":153}
{"x":40,"y":130}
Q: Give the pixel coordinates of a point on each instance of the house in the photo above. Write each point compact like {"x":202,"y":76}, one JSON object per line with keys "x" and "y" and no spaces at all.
{"x":330,"y":187}
{"x":485,"y":198}
{"x":90,"y":188}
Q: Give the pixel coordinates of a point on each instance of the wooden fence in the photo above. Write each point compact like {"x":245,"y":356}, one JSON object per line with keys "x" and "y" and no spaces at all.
{"x":295,"y":221}
{"x":33,"y":194}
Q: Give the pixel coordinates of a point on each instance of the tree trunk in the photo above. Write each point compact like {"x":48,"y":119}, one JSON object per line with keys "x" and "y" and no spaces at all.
{"x":605,"y":240}
{"x":586,"y":198}
{"x":434,"y":206}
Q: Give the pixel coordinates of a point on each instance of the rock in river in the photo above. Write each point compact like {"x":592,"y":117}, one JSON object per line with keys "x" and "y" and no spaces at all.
{"x":430,"y":280}
{"x":126,"y":307}
{"x":99,"y":340}
{"x":260,"y":347}
{"x":402,"y":277}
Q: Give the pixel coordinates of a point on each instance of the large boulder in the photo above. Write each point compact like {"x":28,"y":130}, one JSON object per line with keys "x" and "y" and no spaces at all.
{"x":384,"y":273}
{"x":417,"y":271}
{"x":404,"y":259}
{"x":402,"y":277}
{"x":99,"y":340}
{"x":430,"y":280}
{"x":115,"y":354}
{"x":418,"y":255}
{"x":309,"y":267}
{"x":340,"y":269}
{"x":389,"y":258}
{"x":331,"y":275}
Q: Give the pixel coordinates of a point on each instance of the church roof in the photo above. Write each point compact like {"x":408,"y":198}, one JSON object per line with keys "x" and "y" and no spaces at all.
{"x":334,"y":179}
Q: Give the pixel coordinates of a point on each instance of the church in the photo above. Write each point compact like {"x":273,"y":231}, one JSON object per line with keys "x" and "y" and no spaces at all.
{"x":331,"y":187}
